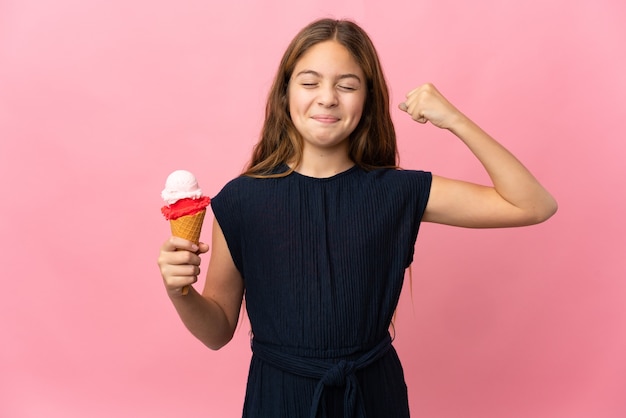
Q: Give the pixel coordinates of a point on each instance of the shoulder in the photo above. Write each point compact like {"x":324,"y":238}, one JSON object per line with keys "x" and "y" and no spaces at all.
{"x":400,"y":178}
{"x":243,"y":191}
{"x":401,"y":174}
{"x":245,"y":183}
{"x":237,"y":186}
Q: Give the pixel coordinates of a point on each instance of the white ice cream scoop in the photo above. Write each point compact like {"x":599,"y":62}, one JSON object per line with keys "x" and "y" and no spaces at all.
{"x":180,"y":184}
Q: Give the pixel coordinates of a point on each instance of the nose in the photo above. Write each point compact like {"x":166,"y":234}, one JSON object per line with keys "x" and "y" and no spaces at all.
{"x":327,"y":96}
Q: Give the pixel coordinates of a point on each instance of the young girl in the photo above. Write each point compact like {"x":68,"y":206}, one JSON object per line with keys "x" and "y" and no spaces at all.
{"x":319,"y":230}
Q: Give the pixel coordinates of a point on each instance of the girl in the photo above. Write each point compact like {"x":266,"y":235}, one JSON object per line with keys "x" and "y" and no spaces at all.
{"x":320,"y":228}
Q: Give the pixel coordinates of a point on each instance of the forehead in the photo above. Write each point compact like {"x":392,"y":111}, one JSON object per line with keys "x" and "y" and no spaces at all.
{"x":328,"y":58}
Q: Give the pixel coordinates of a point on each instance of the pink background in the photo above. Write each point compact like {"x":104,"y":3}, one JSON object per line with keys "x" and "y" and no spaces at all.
{"x":100,"y":100}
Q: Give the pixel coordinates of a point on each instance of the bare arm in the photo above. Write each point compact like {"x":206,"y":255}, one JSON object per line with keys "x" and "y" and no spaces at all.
{"x":211,"y":316}
{"x":516,"y":198}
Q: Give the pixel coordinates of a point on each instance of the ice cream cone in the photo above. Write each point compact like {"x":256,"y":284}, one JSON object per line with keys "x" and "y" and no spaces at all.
{"x":185,"y":207}
{"x":188,"y":227}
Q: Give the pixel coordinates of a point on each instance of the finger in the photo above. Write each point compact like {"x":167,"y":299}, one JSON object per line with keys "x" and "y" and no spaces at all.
{"x":182,"y":257}
{"x":179,"y":282}
{"x":416,"y":114}
{"x":178,"y":276}
{"x":168,"y":260}
{"x":415,"y":90}
{"x":183,"y":270}
{"x":177,"y":243}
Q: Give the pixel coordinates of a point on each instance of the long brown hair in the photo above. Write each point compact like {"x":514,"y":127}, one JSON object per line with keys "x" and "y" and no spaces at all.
{"x":373,"y":142}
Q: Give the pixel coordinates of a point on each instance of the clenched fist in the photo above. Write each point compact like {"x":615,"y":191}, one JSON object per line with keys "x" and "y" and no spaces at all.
{"x":427,"y":104}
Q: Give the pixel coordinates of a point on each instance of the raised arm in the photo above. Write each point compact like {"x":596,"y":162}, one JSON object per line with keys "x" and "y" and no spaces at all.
{"x":515,"y":198}
{"x":213,"y":315}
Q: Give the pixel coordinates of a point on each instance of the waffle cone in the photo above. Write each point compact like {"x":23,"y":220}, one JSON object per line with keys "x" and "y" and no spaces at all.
{"x":188,"y":227}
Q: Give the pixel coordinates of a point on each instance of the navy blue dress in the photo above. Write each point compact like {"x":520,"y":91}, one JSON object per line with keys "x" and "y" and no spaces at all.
{"x":323,"y":261}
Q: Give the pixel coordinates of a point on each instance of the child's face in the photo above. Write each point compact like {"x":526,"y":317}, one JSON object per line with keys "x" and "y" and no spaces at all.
{"x":326,"y":96}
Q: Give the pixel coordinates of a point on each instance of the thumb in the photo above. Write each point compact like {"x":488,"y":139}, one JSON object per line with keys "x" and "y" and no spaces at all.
{"x":202,"y":248}
{"x":402,"y":106}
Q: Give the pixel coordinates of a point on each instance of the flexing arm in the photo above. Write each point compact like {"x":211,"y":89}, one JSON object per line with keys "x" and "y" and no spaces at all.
{"x":211,"y":316}
{"x":516,"y":197}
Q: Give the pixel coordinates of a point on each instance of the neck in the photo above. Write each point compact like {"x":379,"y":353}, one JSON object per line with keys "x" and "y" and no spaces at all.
{"x":321,"y":163}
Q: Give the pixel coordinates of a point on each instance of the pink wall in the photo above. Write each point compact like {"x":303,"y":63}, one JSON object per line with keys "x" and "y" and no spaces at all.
{"x":100,"y":100}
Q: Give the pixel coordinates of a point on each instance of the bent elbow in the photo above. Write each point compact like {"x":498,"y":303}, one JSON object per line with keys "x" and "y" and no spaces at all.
{"x":218,"y":344}
{"x":546,"y":211}
{"x":215,"y":347}
{"x":553,"y":209}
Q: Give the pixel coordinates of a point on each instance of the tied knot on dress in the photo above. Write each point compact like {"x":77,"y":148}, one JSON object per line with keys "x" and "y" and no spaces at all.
{"x":336,"y":375}
{"x":327,"y":373}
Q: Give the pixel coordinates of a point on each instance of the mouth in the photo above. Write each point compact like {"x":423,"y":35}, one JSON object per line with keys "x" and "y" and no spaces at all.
{"x":325,"y":118}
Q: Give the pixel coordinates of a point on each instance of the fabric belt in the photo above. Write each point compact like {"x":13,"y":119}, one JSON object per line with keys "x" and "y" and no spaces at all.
{"x":328,"y":373}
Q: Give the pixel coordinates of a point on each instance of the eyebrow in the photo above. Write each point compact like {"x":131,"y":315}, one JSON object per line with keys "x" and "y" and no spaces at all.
{"x":316,"y":74}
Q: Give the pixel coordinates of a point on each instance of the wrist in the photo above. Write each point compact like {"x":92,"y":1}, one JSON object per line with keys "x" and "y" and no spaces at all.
{"x":462,"y":126}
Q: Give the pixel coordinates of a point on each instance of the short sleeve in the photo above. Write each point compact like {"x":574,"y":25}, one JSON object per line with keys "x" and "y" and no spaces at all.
{"x":226,"y":206}
{"x":419,"y":183}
